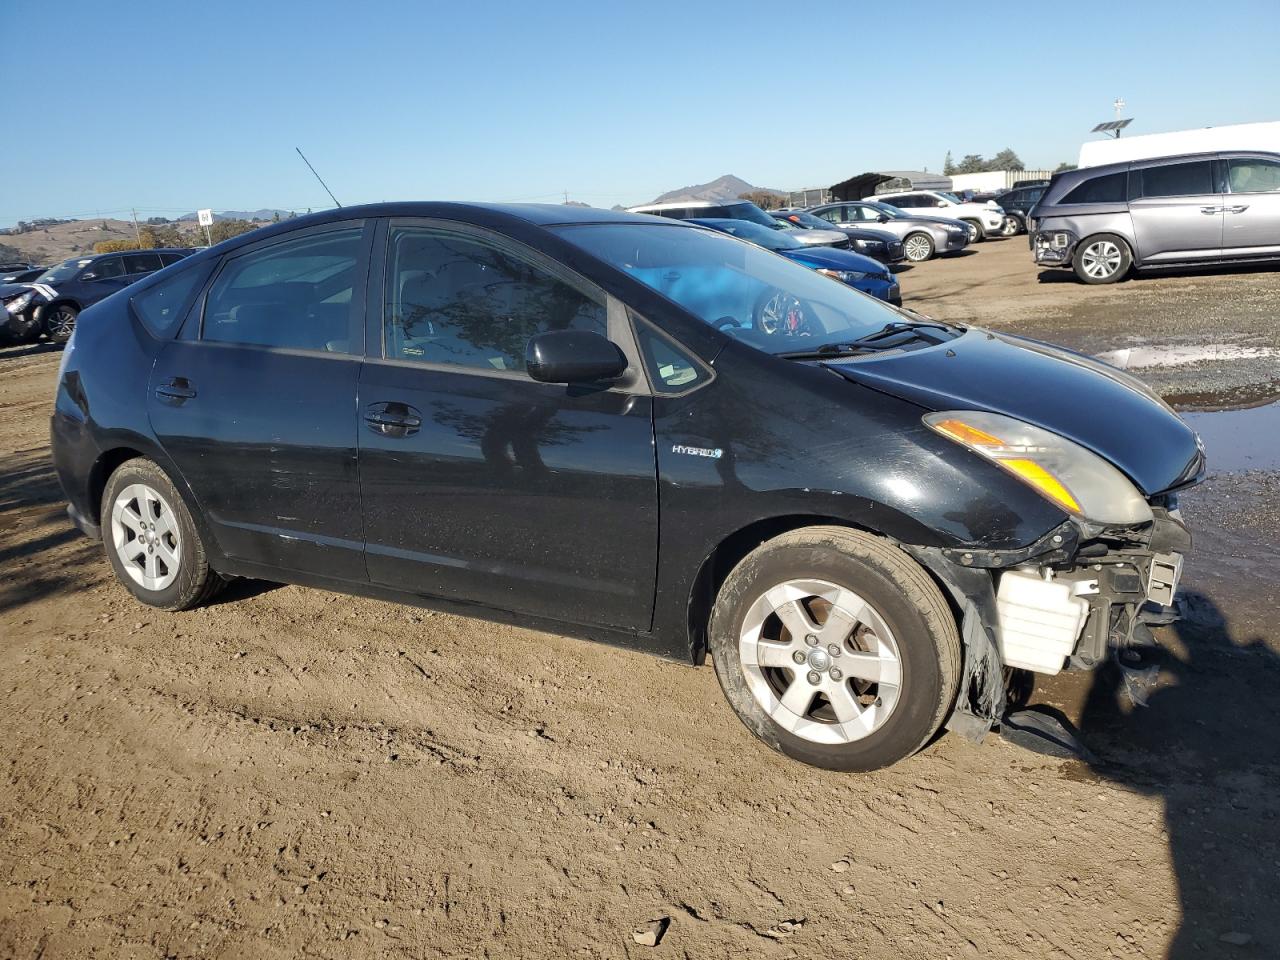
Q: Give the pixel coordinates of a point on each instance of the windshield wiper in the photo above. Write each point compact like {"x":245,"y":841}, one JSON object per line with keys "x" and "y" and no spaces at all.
{"x":873,"y":341}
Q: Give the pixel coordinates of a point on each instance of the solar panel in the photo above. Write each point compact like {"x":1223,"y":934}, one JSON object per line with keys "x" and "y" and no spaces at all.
{"x":1112,"y":125}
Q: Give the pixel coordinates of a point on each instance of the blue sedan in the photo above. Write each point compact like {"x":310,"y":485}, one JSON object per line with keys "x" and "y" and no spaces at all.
{"x":862,"y":273}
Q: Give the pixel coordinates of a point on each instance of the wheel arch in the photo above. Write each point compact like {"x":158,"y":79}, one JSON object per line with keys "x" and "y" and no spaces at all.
{"x":733,"y":547}
{"x":121,"y":452}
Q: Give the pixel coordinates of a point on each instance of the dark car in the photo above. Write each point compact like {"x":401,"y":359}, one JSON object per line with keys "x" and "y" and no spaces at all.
{"x":585,"y":421}
{"x":1017,"y":204}
{"x":50,"y":303}
{"x":880,"y":245}
{"x":861,"y":273}
{"x":15,"y":272}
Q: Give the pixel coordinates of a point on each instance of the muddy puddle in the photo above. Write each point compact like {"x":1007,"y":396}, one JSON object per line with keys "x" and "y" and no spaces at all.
{"x":1241,"y":439}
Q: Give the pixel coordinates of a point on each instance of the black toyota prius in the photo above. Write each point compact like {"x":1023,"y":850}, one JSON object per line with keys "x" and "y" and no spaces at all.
{"x":636,"y":430}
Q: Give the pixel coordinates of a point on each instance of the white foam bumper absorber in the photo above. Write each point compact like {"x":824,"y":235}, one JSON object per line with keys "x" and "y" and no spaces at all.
{"x":1040,"y":619}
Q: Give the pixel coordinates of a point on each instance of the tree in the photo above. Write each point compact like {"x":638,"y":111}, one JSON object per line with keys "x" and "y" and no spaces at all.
{"x":1006,"y":159}
{"x":948,"y":165}
{"x":226,"y":229}
{"x":1063,"y":166}
{"x":971,"y":163}
{"x":764,"y":199}
{"x":115,"y":246}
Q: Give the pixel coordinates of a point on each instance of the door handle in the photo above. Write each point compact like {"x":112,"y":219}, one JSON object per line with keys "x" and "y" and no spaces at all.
{"x":391,"y":419}
{"x":1238,"y":208}
{"x":175,"y":390}
{"x":1211,"y":210}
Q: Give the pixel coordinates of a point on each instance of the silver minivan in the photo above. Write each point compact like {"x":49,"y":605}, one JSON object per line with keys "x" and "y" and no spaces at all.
{"x":1104,"y":221}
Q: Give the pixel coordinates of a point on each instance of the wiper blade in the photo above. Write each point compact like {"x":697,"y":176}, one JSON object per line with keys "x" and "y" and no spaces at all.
{"x":827,"y":351}
{"x":901,"y":326}
{"x":873,"y":341}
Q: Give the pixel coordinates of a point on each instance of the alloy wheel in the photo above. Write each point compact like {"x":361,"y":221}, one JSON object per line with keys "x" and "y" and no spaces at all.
{"x":917,"y":249}
{"x":145,"y":535}
{"x":1101,"y":259}
{"x":61,"y":322}
{"x":821,"y":661}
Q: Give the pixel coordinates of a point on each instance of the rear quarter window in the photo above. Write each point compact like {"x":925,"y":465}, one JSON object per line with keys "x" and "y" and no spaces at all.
{"x":1109,"y":188}
{"x":162,"y":305}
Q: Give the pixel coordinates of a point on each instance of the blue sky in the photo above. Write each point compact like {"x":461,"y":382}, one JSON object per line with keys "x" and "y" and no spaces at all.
{"x":169,"y":106}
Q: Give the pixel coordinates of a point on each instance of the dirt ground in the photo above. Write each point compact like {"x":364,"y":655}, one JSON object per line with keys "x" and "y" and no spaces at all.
{"x":292,"y":773}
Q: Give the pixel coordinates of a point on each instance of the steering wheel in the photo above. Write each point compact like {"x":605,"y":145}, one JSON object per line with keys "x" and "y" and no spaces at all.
{"x":727,"y":322}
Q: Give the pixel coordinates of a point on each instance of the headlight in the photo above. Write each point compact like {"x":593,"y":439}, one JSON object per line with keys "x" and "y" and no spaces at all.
{"x":1063,"y":472}
{"x":16,"y":306}
{"x":845,"y":276}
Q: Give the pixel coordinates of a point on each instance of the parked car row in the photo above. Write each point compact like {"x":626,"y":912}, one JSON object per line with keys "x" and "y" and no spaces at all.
{"x":48,"y":302}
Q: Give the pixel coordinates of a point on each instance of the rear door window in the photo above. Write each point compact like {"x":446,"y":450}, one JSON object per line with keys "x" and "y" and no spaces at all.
{"x":294,"y":295}
{"x":1177,"y":179}
{"x":1109,"y":188}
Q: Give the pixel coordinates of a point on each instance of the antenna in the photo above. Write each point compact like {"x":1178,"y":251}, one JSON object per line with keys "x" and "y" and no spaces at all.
{"x":317,"y":176}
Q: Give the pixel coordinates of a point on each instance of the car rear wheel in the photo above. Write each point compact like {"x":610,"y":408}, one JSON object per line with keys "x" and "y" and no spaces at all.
{"x":152,"y":542}
{"x":918,"y":247}
{"x":835,"y":648}
{"x":60,"y":322}
{"x":980,"y":232}
{"x":1102,"y":259}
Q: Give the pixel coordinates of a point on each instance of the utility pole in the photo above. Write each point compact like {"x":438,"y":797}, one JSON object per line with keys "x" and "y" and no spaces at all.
{"x":137,"y":234}
{"x":566,"y":198}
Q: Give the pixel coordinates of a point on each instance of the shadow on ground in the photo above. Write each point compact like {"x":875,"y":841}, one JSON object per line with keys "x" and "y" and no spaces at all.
{"x":33,"y":526}
{"x":1207,"y":745}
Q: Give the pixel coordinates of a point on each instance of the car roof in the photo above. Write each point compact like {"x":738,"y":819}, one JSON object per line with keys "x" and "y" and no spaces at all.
{"x":682,"y":204}
{"x":116,"y":253}
{"x":491,"y":215}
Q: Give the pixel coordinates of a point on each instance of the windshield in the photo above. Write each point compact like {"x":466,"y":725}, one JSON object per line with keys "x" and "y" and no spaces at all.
{"x":751,"y":294}
{"x":63,"y":271}
{"x":751,"y":213}
{"x":747,"y":230}
{"x":890,"y":211}
{"x":950,"y":196}
{"x":807,"y":220}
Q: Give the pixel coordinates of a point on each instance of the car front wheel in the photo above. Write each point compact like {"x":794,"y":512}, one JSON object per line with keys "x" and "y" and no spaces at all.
{"x":1102,"y":259}
{"x":918,"y":247}
{"x":60,"y":322}
{"x":980,"y":232}
{"x":152,"y":542}
{"x":836,"y":648}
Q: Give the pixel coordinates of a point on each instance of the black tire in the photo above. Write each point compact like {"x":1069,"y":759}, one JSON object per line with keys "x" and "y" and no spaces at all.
{"x":977,"y":225}
{"x":59,"y":321}
{"x":195,"y":582}
{"x":922,"y":244}
{"x":906,"y":600}
{"x":1094,"y":250}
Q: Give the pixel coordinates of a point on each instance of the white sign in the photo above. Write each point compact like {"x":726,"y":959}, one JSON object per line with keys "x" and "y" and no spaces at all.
{"x":205,"y":217}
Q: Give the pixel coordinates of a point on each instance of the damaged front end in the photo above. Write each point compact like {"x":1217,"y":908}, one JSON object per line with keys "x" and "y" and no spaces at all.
{"x":1060,"y":603}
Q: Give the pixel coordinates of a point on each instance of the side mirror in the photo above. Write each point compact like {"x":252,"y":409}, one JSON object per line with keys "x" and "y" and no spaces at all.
{"x":573,"y":356}
{"x":883,"y":218}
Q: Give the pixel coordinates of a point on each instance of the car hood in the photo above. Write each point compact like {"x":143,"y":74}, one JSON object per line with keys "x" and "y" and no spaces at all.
{"x":821,"y":258}
{"x":1075,"y":396}
{"x":816,"y":237}
{"x":871,"y":233}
